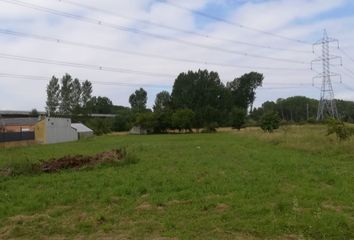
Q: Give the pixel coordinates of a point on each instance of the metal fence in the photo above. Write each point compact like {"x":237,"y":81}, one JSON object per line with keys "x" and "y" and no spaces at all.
{"x":16,"y":136}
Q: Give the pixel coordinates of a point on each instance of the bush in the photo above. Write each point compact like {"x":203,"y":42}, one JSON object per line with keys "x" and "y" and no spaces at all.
{"x":342,"y":131}
{"x":122,"y":123}
{"x":100,"y":126}
{"x":270,"y":121}
{"x":147,"y":121}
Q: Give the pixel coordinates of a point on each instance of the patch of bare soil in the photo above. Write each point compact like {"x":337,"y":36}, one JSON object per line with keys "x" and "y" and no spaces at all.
{"x":80,"y":161}
{"x":222,"y":207}
{"x":144,"y":206}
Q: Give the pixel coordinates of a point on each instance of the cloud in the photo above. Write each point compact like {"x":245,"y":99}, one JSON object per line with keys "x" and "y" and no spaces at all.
{"x":301,"y":19}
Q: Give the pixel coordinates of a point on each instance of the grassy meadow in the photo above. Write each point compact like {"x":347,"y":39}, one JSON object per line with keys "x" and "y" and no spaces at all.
{"x":296,"y":183}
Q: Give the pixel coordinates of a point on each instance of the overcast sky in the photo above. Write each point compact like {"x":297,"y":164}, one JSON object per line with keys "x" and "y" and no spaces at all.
{"x":295,"y":19}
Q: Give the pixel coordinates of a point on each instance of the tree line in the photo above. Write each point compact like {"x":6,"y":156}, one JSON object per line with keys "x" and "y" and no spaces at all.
{"x":299,"y":109}
{"x":198,"y":100}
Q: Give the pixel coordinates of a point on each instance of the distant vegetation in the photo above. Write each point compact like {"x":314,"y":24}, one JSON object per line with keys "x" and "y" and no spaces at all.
{"x":199,"y":100}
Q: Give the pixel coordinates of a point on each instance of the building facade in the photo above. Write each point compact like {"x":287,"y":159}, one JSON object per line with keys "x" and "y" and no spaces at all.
{"x":55,"y":130}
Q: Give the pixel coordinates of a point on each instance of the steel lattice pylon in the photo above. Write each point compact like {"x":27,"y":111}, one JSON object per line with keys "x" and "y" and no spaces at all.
{"x":327,"y":105}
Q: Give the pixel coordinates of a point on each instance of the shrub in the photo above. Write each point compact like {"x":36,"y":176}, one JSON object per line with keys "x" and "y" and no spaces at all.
{"x":100,"y":126}
{"x":270,"y":121}
{"x":342,"y":131}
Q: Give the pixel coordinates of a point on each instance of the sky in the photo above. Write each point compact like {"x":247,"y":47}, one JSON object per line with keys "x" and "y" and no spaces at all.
{"x":273,"y":37}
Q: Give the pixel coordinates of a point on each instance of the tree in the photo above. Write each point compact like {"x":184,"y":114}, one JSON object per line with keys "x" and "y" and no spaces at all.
{"x":238,"y":118}
{"x":183,"y":119}
{"x":34,"y":113}
{"x":138,"y":100}
{"x":100,"y":126}
{"x":162,"y":101}
{"x":270,"y":121}
{"x":293,"y":109}
{"x":75,"y":96}
{"x":53,"y":96}
{"x":147,"y":120}
{"x":99,"y":105}
{"x":203,"y":93}
{"x":86,"y":94}
{"x":243,"y":89}
{"x":66,"y":94}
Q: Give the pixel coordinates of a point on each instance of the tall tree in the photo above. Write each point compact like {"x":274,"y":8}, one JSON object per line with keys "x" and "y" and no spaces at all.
{"x":138,"y":100}
{"x":203,"y":93}
{"x":53,"y":96}
{"x":76,"y":96}
{"x":86,"y":94}
{"x":65,"y":94}
{"x":162,"y":101}
{"x":243,"y":89}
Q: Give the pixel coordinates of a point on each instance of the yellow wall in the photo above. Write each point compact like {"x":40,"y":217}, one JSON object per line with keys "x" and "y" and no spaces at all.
{"x":40,"y":132}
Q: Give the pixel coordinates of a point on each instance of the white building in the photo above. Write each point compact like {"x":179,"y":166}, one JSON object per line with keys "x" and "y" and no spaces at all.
{"x":55,"y":130}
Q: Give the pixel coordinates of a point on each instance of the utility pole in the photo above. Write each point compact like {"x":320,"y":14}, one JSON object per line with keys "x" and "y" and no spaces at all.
{"x":327,"y":105}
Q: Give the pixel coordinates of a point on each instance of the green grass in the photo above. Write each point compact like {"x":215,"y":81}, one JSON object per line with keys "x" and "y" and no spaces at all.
{"x":293,"y":184}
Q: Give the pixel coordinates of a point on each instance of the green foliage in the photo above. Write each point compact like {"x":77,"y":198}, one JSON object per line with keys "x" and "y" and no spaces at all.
{"x":75,"y":97}
{"x":183,"y":119}
{"x":123,"y":120}
{"x":270,"y":121}
{"x":66,"y":94}
{"x":162,"y":101}
{"x":238,"y":118}
{"x":293,"y":109}
{"x":34,"y":113}
{"x":342,"y":131}
{"x":203,"y":93}
{"x":86,"y":93}
{"x":210,"y":128}
{"x":53,"y":96}
{"x":243,"y":89}
{"x":147,"y":121}
{"x":99,"y":105}
{"x":138,"y":100}
{"x":100,"y":126}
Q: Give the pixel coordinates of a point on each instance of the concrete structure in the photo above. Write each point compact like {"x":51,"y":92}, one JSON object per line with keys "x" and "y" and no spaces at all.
{"x":55,"y":130}
{"x":8,"y":125}
{"x":82,"y":131}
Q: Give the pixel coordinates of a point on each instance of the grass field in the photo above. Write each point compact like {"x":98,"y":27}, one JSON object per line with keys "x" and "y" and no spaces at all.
{"x":293,"y":184}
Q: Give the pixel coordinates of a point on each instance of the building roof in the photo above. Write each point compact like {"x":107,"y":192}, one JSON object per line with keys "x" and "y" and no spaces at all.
{"x":18,"y":121}
{"x":79,"y":127}
{"x":11,"y":112}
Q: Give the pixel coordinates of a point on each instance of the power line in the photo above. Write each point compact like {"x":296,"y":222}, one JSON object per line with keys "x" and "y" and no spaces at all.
{"x":111,"y":83}
{"x":43,"y":78}
{"x":196,"y":33}
{"x":349,"y":71}
{"x":280,"y":88}
{"x":219,"y":19}
{"x":137,"y":31}
{"x":148,"y":55}
{"x":347,"y":55}
{"x":81,"y":65}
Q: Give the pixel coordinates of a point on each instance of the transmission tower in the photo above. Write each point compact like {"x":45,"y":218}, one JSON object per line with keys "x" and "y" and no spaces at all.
{"x":327,"y":105}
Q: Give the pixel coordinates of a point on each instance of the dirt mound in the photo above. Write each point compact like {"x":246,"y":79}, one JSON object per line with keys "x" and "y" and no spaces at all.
{"x":80,"y":161}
